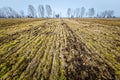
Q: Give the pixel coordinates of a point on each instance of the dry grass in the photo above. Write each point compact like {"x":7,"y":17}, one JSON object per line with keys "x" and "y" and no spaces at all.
{"x":59,"y":49}
{"x":110,"y":22}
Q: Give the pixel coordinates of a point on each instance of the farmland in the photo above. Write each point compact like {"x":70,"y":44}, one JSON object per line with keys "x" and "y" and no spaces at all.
{"x":59,"y":49}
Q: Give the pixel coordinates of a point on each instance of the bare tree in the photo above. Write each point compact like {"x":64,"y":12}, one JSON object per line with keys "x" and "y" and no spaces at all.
{"x":77,"y":12}
{"x":31,"y":11}
{"x":98,"y":15}
{"x":57,"y":15}
{"x":1,"y":13}
{"x":91,"y":12}
{"x":106,"y":14}
{"x":48,"y":10}
{"x":69,"y":11}
{"x":8,"y":12}
{"x":109,"y":13}
{"x":102,"y":15}
{"x":41,"y":11}
{"x":82,"y":12}
{"x":22,"y":15}
{"x":73,"y":12}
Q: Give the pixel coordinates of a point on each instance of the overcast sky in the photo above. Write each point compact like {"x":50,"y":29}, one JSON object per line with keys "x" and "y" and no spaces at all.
{"x":62,"y":5}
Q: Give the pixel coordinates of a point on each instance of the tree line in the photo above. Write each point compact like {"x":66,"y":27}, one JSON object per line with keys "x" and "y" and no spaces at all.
{"x":47,"y":12}
{"x":41,"y":12}
{"x":90,"y":13}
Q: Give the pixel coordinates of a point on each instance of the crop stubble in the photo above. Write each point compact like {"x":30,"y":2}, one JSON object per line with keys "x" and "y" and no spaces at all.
{"x":59,"y":49}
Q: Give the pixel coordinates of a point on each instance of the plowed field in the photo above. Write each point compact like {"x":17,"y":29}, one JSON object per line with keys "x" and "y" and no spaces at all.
{"x":59,"y":49}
